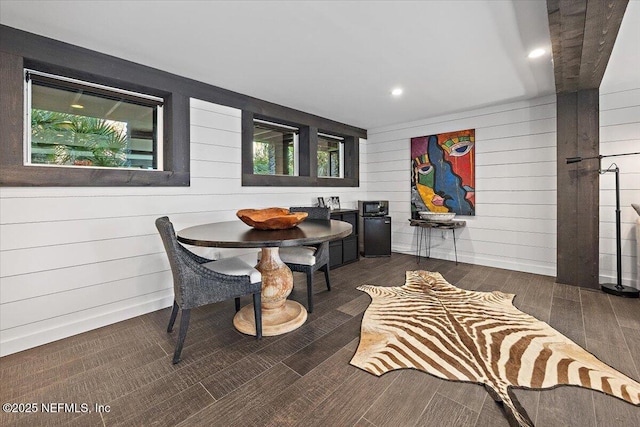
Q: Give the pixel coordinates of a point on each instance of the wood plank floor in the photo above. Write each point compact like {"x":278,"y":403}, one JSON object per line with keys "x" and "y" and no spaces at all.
{"x":304,"y":377}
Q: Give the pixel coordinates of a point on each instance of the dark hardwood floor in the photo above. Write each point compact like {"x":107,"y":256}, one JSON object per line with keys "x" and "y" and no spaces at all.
{"x":304,"y":377}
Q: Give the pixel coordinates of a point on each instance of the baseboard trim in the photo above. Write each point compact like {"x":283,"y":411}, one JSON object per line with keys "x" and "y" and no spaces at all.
{"x":626,"y":281}
{"x":545,"y":270}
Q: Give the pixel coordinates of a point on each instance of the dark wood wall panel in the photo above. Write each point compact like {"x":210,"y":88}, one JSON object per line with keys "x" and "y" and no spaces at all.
{"x":11,"y":124}
{"x":352,"y":151}
{"x":578,"y":195}
{"x":20,"y":49}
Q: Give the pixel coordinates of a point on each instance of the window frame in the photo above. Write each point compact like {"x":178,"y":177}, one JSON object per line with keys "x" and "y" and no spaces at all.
{"x":307,"y":155}
{"x":282,"y":128}
{"x":340,"y":141}
{"x":61,"y":59}
{"x":68,"y":84}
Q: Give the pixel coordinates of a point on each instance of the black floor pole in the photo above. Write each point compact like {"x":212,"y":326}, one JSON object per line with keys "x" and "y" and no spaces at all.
{"x":618,"y":233}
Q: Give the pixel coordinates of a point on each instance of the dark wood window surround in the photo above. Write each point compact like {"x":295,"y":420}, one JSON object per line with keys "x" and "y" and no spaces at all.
{"x":307,"y":155}
{"x":20,"y":49}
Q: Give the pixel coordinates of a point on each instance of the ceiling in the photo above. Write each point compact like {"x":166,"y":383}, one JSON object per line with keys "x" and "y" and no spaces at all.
{"x":335,"y":59}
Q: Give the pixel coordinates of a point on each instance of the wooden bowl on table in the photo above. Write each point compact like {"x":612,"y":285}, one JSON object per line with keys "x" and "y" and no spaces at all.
{"x":271,"y":218}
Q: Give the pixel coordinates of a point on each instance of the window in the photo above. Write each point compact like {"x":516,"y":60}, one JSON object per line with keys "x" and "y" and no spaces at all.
{"x":159,"y":157}
{"x":74,"y":123}
{"x":275,"y":149}
{"x":330,"y":156}
{"x":287,"y":150}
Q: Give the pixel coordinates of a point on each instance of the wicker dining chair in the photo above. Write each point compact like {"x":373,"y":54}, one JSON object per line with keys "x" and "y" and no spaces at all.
{"x":309,"y":259}
{"x":198,"y":281}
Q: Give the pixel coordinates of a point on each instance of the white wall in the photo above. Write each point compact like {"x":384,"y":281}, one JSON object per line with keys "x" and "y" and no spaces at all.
{"x":515,"y":222}
{"x":74,"y":259}
{"x":620,"y":133}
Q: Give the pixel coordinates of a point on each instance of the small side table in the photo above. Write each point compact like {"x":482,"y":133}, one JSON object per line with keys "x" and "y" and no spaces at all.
{"x":439,"y":225}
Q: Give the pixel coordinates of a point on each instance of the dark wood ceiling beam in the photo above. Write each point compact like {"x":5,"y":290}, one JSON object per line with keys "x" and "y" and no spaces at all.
{"x":602,"y":24}
{"x":582,"y":36}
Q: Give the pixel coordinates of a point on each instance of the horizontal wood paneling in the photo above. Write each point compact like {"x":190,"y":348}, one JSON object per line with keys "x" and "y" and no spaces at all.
{"x":533,"y":169}
{"x":524,"y":142}
{"x":50,"y":306}
{"x":508,"y":210}
{"x":530,"y":197}
{"x":613,"y":116}
{"x":207,"y":152}
{"x":515,"y":222}
{"x":498,"y":115}
{"x":620,"y":133}
{"x":517,"y":183}
{"x":37,"y":284}
{"x":25,"y":235}
{"x":30,"y":260}
{"x":204,"y":169}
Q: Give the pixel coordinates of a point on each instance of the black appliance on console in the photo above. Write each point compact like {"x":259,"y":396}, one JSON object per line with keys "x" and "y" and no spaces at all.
{"x":375,"y":228}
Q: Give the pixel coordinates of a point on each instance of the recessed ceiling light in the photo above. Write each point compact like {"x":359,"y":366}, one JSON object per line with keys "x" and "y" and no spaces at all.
{"x":537,"y":53}
{"x":397,"y":91}
{"x":78,"y":106}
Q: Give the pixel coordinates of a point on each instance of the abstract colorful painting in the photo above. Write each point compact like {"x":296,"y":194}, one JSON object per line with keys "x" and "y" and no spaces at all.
{"x":443,"y":173}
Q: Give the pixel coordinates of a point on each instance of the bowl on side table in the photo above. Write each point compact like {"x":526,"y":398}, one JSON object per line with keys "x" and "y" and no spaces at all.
{"x":437,"y":216}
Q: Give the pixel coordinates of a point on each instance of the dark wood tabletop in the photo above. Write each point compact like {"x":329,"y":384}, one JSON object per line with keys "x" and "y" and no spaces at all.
{"x":449,"y":225}
{"x":236,"y":234}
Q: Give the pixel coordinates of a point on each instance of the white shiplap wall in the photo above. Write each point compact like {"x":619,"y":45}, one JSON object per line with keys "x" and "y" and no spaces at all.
{"x":75,"y":259}
{"x":515,"y":222}
{"x":619,"y":133}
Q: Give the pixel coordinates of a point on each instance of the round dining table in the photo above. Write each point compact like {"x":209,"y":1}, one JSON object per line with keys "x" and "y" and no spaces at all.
{"x":279,"y":315}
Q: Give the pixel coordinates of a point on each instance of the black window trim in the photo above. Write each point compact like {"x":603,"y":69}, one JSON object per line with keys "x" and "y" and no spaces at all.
{"x":20,"y":49}
{"x":307,"y":156}
{"x":61,"y":82}
{"x":53,"y":80}
{"x":340,"y":139}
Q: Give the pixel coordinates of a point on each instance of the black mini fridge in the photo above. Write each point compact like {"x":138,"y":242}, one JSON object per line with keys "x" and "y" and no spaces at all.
{"x":376,"y":236}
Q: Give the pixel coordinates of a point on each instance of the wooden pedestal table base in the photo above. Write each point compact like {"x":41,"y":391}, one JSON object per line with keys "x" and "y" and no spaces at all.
{"x":279,"y":315}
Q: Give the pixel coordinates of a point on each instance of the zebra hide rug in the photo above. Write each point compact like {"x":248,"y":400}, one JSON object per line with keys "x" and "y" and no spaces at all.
{"x":480,"y":337}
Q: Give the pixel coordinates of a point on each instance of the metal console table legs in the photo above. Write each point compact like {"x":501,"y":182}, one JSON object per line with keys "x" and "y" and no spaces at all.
{"x":428,"y":226}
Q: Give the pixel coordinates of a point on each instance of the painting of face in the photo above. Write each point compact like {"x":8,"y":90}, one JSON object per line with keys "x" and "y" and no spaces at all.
{"x":443,"y":173}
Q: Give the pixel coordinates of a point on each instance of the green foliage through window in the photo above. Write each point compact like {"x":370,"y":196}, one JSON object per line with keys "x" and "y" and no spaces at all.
{"x":274,"y":151}
{"x":330,"y":153}
{"x":69,"y":139}
{"x":78,"y":123}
